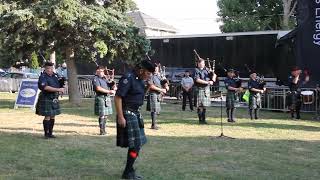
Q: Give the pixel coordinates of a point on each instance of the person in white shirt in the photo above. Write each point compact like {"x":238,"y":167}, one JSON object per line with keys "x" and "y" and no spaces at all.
{"x":187,"y":84}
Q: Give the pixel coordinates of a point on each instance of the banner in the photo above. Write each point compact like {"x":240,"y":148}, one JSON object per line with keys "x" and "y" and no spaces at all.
{"x":28,"y":94}
{"x":308,"y":37}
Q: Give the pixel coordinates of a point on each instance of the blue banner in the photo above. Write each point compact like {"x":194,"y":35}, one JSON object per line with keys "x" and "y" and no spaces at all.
{"x":28,"y":93}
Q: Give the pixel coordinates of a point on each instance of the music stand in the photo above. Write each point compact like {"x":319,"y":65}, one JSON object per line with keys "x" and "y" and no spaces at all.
{"x":222,"y":136}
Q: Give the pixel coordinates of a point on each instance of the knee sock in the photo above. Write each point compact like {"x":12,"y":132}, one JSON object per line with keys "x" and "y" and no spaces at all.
{"x":256,"y":111}
{"x":131,"y":158}
{"x":153,"y":118}
{"x":46,"y":126}
{"x":51,"y":125}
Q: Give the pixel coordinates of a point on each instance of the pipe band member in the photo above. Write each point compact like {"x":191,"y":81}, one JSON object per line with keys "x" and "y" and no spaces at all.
{"x":255,"y":95}
{"x":48,"y":102}
{"x":202,"y":82}
{"x":294,"y":96}
{"x":130,"y":126}
{"x":231,"y":86}
{"x":153,"y":99}
{"x":102,"y":101}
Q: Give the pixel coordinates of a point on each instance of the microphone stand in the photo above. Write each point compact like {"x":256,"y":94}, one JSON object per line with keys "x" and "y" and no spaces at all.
{"x":222,"y":136}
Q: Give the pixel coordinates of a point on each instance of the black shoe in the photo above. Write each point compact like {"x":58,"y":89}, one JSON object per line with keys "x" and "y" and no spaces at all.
{"x":203,"y":122}
{"x":154,"y":127}
{"x":131,"y":175}
{"x":52,"y":136}
{"x":229,"y":120}
{"x":102,"y":132}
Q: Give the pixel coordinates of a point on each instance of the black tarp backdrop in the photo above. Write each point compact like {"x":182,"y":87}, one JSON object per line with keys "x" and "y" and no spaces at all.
{"x":230,"y":51}
{"x":308,"y":37}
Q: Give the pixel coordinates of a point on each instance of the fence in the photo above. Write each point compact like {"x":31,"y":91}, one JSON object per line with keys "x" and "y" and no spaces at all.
{"x":9,"y":84}
{"x":274,"y":99}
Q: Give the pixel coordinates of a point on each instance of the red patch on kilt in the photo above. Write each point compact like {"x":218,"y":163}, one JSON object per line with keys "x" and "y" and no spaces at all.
{"x":133,"y":154}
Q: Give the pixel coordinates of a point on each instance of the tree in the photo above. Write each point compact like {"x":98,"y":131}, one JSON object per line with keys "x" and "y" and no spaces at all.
{"x":289,"y":7}
{"x":34,"y":64}
{"x":255,"y":15}
{"x":73,"y":27}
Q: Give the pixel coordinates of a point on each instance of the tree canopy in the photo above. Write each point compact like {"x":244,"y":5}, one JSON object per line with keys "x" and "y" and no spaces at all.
{"x":256,"y":15}
{"x":83,"y":27}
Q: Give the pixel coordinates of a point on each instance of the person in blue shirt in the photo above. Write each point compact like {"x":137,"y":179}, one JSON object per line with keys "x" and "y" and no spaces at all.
{"x":102,"y":103}
{"x":48,"y":102}
{"x":231,"y":86}
{"x":153,"y":99}
{"x":62,"y":71}
{"x":203,"y":82}
{"x":255,"y":90}
{"x":130,"y":126}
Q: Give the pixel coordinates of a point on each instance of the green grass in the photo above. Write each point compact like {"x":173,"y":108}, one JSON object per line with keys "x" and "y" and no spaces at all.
{"x":271,"y":148}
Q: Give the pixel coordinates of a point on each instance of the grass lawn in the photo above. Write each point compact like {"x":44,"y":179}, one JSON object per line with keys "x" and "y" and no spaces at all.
{"x":271,"y":148}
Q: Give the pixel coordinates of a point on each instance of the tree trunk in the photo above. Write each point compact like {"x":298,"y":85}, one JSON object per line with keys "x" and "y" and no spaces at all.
{"x":73,"y":88}
{"x":286,"y":11}
{"x":289,"y":7}
{"x":53,"y":59}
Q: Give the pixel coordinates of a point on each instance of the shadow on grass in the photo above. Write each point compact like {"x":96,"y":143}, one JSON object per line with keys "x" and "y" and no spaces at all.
{"x":6,"y":104}
{"x":255,"y":124}
{"x":164,"y":157}
{"x":34,"y":130}
{"x":272,"y":126}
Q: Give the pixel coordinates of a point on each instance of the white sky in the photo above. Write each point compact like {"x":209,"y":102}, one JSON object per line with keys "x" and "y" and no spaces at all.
{"x":188,"y":16}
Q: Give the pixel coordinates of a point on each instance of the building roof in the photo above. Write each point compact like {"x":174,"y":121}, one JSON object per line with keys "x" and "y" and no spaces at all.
{"x":279,"y":33}
{"x":143,"y":20}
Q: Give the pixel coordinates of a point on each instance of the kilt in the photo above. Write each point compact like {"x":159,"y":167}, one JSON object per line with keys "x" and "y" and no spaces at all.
{"x":294,"y":100}
{"x":203,"y":97}
{"x":132,"y":135}
{"x":153,"y":102}
{"x":230,"y":99}
{"x":102,"y":105}
{"x":255,"y":101}
{"x":48,"y":104}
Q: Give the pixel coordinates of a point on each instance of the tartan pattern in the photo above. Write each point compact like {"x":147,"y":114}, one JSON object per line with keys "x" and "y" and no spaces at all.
{"x":230,"y":99}
{"x":294,"y":100}
{"x":203,"y":97}
{"x":45,"y":105}
{"x":153,"y":102}
{"x":132,"y":135}
{"x":254,"y":101}
{"x":100,"y":108}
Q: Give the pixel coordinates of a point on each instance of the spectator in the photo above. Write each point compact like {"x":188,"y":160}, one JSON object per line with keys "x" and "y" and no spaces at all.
{"x":63,"y":71}
{"x":187,"y":84}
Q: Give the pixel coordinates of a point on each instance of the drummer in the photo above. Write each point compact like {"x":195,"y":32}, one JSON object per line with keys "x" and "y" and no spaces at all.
{"x":295,"y":82}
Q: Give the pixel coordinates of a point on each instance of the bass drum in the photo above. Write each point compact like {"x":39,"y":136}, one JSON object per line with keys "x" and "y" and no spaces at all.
{"x":307,"y":97}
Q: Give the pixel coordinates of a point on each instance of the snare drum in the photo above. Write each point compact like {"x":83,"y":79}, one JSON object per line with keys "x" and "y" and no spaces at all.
{"x":307,"y":97}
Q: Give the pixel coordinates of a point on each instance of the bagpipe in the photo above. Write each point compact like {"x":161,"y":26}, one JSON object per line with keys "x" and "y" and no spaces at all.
{"x":262,"y":82}
{"x":162,"y":71}
{"x":238,"y":80}
{"x":163,"y":79}
{"x":210,"y":68}
{"x":109,"y":75}
{"x":62,"y":81}
{"x":260,"y":78}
